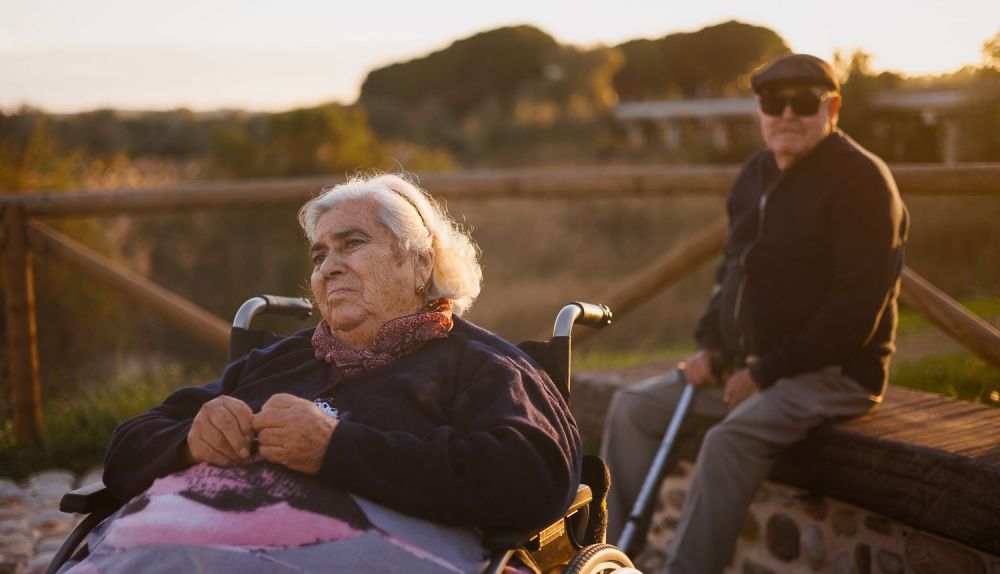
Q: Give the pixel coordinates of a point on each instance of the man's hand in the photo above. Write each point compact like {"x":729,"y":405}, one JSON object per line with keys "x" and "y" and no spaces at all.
{"x":698,"y":369}
{"x":221,"y":432}
{"x":293,"y":432}
{"x":739,"y":388}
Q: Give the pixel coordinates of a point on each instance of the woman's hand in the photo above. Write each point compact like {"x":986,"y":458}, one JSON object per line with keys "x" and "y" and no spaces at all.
{"x":221,"y":433}
{"x":293,"y":432}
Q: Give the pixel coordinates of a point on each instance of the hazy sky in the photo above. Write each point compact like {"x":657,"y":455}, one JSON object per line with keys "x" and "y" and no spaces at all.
{"x":67,"y":55}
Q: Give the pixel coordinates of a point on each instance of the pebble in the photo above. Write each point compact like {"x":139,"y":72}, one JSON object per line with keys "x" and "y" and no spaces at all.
{"x":32,"y":527}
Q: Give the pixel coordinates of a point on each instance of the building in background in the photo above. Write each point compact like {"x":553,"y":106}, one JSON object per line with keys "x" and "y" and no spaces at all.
{"x":910,"y":125}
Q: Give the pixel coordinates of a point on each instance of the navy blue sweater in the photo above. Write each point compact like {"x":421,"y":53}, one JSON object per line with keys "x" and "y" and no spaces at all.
{"x":811,"y":269}
{"x":466,"y":430}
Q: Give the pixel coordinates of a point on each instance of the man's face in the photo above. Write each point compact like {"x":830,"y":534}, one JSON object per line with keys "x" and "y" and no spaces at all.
{"x":795,"y":129}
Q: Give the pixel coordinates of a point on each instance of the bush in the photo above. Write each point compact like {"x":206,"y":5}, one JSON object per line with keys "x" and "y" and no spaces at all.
{"x":77,"y":427}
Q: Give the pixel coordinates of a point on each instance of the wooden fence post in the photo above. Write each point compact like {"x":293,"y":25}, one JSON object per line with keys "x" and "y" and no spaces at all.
{"x":951,"y":317}
{"x":184,"y":314}
{"x":22,"y":345}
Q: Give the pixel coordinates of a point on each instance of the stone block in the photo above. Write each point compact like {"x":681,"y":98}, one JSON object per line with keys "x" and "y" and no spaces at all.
{"x":91,"y":476}
{"x":39,"y":563}
{"x":889,"y":562}
{"x":14,"y":525}
{"x":15,"y":540}
{"x":782,"y":537}
{"x":845,"y":522}
{"x":49,"y":544}
{"x":751,"y":528}
{"x":675,"y":498}
{"x":762,"y":495}
{"x":14,"y":512}
{"x":844,"y":564}
{"x":45,"y":478}
{"x":15,"y":547}
{"x":815,"y":507}
{"x":879,"y":524}
{"x":926,"y":554}
{"x":751,"y":567}
{"x":651,"y":559}
{"x":51,"y":522}
{"x":814,"y":547}
{"x":10,"y":492}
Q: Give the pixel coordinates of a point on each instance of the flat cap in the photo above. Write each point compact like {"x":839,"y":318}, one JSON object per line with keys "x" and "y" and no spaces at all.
{"x":794,"y":69}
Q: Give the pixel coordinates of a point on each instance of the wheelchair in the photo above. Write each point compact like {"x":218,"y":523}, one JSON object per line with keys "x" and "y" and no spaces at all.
{"x":573,"y":544}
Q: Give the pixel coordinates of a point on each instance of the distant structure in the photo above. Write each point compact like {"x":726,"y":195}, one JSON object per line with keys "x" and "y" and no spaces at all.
{"x":900,"y":115}
{"x":725,"y":125}
{"x":679,"y":123}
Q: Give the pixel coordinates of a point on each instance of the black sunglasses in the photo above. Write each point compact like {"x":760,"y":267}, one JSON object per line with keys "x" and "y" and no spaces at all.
{"x":805,"y":104}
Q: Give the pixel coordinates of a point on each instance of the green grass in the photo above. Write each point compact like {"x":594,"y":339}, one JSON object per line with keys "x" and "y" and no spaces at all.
{"x":607,"y":359}
{"x":76,"y":429}
{"x":910,"y":320}
{"x":955,"y":375}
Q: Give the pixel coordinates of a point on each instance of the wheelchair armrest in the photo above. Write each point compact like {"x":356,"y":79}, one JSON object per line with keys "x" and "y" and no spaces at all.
{"x":535,"y":539}
{"x":94,"y":497}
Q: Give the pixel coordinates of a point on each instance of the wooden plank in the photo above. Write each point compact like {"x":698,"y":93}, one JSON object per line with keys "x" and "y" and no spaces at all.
{"x":22,"y":329}
{"x":542,"y":183}
{"x":196,"y":321}
{"x":972,"y":332}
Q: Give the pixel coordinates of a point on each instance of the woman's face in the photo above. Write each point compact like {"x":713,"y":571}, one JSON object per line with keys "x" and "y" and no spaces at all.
{"x":361,"y":278}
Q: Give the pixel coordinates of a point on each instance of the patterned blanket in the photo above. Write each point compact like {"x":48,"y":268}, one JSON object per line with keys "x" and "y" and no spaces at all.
{"x":265,"y":518}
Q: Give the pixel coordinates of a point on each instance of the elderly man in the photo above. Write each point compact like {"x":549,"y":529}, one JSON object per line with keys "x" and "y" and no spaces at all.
{"x":800,"y":324}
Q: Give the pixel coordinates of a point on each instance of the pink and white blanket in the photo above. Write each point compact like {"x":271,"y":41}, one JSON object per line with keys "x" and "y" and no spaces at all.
{"x":265,"y":518}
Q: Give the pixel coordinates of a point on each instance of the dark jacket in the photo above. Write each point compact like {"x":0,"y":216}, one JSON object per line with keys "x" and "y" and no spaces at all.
{"x":465,"y":430}
{"x":811,"y":266}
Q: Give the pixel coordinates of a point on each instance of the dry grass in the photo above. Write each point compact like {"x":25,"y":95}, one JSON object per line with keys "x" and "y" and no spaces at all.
{"x":539,"y":255}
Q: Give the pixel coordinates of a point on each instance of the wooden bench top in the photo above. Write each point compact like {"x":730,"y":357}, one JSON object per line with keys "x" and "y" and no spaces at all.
{"x":922,"y":459}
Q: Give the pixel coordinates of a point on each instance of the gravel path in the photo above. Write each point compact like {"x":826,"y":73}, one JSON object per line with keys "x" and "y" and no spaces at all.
{"x":31,"y":526}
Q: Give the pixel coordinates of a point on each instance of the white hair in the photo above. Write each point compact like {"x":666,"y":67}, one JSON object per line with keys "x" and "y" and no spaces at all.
{"x":420,"y":225}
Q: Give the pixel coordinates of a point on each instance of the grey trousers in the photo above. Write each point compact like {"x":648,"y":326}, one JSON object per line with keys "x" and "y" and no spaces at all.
{"x":735,"y":457}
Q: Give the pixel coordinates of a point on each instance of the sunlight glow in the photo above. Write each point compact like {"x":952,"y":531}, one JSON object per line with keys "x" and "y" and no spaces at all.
{"x":65,"y":55}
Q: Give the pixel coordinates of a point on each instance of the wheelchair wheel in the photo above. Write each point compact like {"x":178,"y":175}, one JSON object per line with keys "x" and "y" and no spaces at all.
{"x":600,"y":559}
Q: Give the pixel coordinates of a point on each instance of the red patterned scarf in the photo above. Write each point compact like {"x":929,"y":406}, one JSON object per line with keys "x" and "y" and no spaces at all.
{"x":396,"y":338}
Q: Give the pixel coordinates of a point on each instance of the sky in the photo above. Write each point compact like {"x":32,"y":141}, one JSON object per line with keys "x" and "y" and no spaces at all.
{"x":73,"y":55}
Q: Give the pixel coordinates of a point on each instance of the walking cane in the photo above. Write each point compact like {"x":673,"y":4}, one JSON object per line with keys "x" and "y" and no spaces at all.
{"x":643,"y":503}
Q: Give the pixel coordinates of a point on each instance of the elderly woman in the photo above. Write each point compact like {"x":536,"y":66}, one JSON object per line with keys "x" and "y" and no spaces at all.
{"x":393,"y":398}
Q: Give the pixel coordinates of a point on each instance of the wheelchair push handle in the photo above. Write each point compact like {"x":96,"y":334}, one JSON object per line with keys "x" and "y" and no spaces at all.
{"x":296,"y":307}
{"x":590,"y":314}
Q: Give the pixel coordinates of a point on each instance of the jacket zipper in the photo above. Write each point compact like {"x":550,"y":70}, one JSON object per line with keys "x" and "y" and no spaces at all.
{"x":738,"y":308}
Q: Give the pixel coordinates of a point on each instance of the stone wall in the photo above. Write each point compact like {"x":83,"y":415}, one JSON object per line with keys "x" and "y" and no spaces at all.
{"x":31,"y":526}
{"x":789,"y":531}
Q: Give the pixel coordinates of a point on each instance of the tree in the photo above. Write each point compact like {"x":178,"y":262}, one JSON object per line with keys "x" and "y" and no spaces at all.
{"x":710,"y":62}
{"x":324,"y":139}
{"x":488,"y":65}
{"x":991,"y":51}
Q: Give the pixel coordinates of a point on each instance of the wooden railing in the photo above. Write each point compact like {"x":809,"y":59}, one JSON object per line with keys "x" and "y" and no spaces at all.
{"x":24,"y":236}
